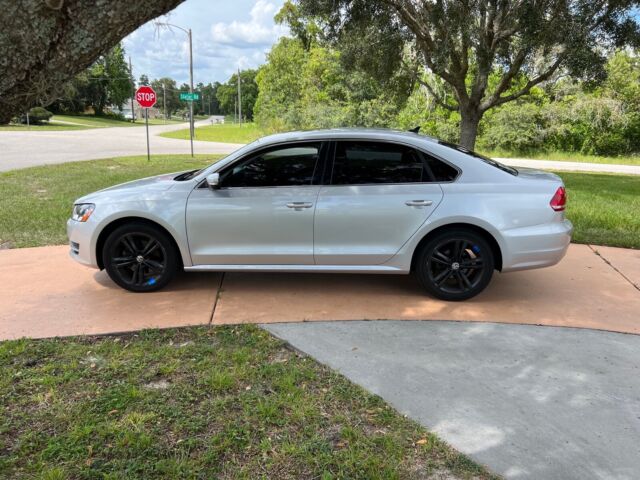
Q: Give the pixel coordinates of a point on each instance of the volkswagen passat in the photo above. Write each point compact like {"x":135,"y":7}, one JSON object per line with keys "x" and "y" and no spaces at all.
{"x":345,"y":200}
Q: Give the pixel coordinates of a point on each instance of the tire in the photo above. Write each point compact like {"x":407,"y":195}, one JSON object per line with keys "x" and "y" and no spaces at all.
{"x":140,"y":257}
{"x":455,"y":265}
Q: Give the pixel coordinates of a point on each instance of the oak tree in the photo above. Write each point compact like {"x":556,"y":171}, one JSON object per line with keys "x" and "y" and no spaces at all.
{"x":45,"y":43}
{"x":485,"y":52}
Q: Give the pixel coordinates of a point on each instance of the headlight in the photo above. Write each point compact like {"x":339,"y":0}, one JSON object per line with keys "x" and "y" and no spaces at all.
{"x":82,"y":211}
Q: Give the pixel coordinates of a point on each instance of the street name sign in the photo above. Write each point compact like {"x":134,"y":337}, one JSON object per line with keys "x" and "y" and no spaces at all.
{"x":189,"y":97}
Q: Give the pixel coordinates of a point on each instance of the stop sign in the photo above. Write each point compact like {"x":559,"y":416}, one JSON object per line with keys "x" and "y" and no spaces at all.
{"x":146,"y":97}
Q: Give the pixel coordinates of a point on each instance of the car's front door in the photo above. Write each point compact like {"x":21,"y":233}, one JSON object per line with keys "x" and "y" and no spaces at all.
{"x":262,"y":214}
{"x":376,"y":198}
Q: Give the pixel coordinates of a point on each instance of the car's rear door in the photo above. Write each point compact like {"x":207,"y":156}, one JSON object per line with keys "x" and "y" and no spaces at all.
{"x":263,"y":212}
{"x":377,"y":195}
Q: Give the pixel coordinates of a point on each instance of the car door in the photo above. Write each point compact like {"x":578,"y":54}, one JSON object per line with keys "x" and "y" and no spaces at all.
{"x":377,"y":196}
{"x":262,"y":214}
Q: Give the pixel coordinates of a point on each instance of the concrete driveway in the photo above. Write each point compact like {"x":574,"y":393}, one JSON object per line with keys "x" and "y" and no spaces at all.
{"x":28,"y":148}
{"x":529,"y":402}
{"x":45,"y":293}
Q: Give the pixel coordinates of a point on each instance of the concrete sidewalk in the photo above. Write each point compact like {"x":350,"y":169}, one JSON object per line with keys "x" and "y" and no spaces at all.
{"x":46,"y":294}
{"x":529,"y":402}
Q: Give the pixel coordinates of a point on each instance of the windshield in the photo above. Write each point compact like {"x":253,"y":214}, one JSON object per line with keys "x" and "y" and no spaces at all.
{"x":488,"y":160}
{"x":194,"y":173}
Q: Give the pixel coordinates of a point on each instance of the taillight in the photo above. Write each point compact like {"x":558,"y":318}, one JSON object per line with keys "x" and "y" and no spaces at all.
{"x":559,"y":200}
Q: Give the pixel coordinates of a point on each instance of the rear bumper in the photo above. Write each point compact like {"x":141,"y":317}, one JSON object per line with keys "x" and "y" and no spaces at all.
{"x":537,"y":246}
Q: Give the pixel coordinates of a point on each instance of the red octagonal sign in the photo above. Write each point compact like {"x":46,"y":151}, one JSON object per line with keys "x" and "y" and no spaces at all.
{"x":146,"y":97}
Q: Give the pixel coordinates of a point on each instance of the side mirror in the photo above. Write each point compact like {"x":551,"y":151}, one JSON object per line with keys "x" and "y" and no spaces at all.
{"x":213,"y":181}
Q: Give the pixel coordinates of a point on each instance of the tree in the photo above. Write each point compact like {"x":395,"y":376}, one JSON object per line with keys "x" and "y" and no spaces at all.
{"x":45,"y":43}
{"x":227,"y":93}
{"x":106,"y":82}
{"x":144,"y":80}
{"x":166,"y":85}
{"x":303,"y":88}
{"x":485,"y":52}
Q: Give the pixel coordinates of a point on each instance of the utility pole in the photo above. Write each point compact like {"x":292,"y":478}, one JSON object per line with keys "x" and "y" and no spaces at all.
{"x":164,"y":101}
{"x":191,"y":88}
{"x":188,"y":32}
{"x":239,"y":99}
{"x":133,"y":87}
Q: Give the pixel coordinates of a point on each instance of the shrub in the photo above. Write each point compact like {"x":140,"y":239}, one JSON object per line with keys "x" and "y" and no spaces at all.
{"x":515,"y":127}
{"x":37,"y":115}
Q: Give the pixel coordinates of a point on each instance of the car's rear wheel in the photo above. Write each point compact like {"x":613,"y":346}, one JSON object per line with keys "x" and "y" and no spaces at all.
{"x":140,"y":257}
{"x":455,"y":265}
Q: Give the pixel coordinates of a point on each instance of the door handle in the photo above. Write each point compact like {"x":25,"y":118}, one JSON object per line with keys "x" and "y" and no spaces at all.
{"x":418,"y":203}
{"x":299,"y":205}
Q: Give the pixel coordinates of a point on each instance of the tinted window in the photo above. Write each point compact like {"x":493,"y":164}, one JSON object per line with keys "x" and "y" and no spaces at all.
{"x":358,"y":163}
{"x":442,"y":172}
{"x":281,"y":167}
{"x":488,"y":160}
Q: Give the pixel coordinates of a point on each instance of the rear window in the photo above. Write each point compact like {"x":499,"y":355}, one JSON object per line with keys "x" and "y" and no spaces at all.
{"x":480,"y":157}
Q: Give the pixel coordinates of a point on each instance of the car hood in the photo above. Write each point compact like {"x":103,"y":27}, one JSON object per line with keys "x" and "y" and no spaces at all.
{"x":137,"y":188}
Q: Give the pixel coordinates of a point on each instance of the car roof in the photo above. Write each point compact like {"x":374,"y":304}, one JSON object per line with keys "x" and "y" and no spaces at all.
{"x":344,"y":133}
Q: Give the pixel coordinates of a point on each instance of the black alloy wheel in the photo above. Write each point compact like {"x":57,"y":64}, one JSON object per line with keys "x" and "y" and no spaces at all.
{"x":455,"y":265}
{"x":139,"y":257}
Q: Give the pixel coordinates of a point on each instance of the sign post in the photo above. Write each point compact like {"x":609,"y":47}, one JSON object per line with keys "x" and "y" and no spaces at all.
{"x":146,"y":97}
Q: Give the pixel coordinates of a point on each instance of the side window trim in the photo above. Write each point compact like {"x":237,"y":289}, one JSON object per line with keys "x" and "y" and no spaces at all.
{"x":273,"y":147}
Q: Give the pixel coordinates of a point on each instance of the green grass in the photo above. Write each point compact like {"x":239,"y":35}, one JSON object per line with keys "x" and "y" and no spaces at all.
{"x":224,"y":402}
{"x":225,"y":132}
{"x":36,"y":202}
{"x":567,"y":157}
{"x":604,"y":208}
{"x":51,"y":126}
{"x":83,"y":122}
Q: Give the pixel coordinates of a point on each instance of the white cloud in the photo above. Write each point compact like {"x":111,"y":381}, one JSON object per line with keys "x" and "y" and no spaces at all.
{"x":226,"y":36}
{"x":259,"y":30}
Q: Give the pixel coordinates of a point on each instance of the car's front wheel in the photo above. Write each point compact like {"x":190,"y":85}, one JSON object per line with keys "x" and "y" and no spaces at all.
{"x":455,"y":265}
{"x":140,"y":257}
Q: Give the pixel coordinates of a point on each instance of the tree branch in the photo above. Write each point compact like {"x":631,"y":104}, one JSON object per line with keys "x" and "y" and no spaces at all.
{"x":436,"y":97}
{"x":494,"y":101}
{"x":45,"y":44}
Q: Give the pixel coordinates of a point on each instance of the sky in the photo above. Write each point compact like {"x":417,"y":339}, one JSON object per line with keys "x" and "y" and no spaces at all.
{"x":226,"y":35}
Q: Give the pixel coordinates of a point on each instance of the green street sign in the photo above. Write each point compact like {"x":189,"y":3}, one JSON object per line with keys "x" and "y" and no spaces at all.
{"x":189,"y":97}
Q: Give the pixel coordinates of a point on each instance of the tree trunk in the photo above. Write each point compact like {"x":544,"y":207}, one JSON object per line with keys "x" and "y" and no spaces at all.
{"x":45,"y":43}
{"x":469,"y":121}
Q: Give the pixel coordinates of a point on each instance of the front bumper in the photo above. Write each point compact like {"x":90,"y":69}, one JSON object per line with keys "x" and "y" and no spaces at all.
{"x":82,"y":242}
{"x":537,"y":246}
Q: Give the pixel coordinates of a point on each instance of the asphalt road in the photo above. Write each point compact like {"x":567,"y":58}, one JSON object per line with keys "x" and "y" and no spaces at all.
{"x":529,"y":402}
{"x":32,"y":148}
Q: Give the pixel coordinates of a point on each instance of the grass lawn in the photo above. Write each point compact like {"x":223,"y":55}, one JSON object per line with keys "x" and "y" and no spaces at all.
{"x":604,"y":208}
{"x":36,"y":202}
{"x":83,"y":122}
{"x":567,"y":157}
{"x":234,"y":133}
{"x":51,"y":126}
{"x":223,"y":402}
{"x":225,"y":132}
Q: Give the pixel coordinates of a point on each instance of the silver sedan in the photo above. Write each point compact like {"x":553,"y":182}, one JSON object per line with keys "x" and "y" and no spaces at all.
{"x":344,"y":200}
